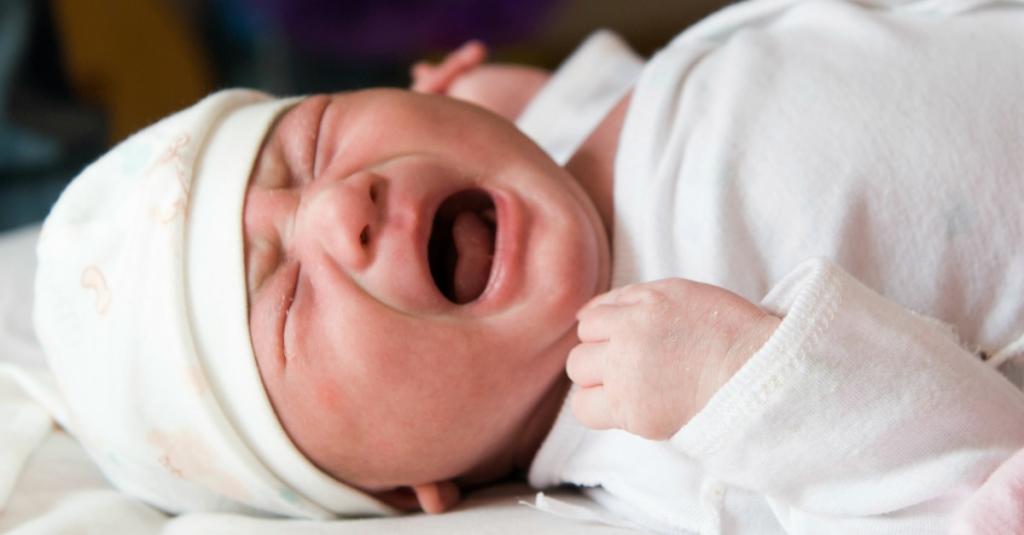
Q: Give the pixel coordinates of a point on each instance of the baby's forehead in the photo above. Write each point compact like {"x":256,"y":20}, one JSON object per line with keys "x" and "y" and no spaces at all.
{"x":290,"y":146}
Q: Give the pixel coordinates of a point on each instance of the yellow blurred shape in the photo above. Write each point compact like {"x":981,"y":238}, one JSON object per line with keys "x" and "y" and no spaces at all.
{"x":137,"y":59}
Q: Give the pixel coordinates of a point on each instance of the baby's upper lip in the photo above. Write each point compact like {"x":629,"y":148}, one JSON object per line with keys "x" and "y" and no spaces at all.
{"x":509,"y":234}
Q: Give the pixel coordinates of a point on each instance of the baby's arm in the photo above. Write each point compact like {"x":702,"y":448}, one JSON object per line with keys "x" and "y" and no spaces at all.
{"x":856,"y":415}
{"x":505,"y":89}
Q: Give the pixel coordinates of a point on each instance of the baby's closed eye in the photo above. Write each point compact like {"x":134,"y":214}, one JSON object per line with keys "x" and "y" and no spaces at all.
{"x":263,"y":257}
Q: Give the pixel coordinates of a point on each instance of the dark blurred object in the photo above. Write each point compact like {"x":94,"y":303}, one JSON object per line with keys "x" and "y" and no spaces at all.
{"x":311,"y":46}
{"x":251,"y":48}
{"x":646,"y":25}
{"x":45,"y":135}
{"x":20,"y":148}
{"x":307,"y":46}
{"x":76,"y":76}
{"x":400,"y":30}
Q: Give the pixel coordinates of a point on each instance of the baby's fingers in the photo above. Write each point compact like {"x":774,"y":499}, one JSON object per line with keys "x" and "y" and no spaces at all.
{"x":592,"y":408}
{"x":427,"y":78}
{"x":596,"y":324}
{"x":467,"y":56}
{"x":610,"y":297}
{"x":585,"y":364}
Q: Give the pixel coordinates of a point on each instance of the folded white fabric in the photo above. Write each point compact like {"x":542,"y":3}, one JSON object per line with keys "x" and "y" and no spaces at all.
{"x":23,"y":425}
{"x":578,"y":96}
{"x":141,"y":309}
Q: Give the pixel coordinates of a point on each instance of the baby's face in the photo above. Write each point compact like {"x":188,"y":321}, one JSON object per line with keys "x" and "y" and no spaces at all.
{"x":414,"y":267}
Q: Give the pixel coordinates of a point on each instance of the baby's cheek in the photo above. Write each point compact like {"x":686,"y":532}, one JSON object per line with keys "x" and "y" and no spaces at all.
{"x":327,"y":393}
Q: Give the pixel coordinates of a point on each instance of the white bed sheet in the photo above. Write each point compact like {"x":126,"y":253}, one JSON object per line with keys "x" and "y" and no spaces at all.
{"x":60,"y":491}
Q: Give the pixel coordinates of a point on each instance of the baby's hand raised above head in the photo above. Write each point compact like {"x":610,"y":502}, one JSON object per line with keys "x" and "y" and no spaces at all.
{"x":652,"y":354}
{"x":430,"y":78}
{"x":504,"y":89}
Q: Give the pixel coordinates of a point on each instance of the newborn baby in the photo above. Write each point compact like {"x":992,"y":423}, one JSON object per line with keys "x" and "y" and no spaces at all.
{"x":419,"y":280}
{"x":477,"y":248}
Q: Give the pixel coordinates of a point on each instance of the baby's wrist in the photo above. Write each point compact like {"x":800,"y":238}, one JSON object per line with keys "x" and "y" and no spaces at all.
{"x":747,"y":342}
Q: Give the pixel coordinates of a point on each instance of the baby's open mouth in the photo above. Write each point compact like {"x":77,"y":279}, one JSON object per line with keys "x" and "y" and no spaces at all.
{"x":461,"y":245}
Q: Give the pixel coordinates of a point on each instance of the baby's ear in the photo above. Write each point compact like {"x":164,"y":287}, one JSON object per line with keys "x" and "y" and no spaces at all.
{"x":433,"y":498}
{"x":436,"y":498}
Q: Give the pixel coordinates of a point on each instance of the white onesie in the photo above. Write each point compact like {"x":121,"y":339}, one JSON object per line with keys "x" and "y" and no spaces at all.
{"x":859,"y":170}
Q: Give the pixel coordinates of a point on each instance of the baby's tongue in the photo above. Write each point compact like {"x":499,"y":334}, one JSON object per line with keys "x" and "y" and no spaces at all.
{"x":474,"y":245}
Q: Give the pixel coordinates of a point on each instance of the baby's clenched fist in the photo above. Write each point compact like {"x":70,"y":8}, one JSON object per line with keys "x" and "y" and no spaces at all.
{"x":652,"y":354}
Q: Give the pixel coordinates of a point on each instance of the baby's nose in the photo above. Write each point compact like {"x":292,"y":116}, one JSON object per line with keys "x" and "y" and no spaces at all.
{"x":343,"y":217}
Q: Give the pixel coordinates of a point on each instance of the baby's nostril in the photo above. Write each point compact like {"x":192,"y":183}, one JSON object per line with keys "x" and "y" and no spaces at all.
{"x":373,"y":193}
{"x":364,"y":235}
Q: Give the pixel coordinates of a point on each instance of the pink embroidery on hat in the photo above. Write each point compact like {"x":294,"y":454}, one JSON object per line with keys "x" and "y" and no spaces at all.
{"x":93,"y":279}
{"x":168,"y":213}
{"x":187,"y":455}
{"x":173,"y":156}
{"x":167,"y":463}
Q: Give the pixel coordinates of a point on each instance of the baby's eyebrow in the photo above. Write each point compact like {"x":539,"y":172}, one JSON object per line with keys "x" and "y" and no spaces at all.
{"x":316,"y":139}
{"x":250,"y":239}
{"x":261,"y":259}
{"x":259,"y":167}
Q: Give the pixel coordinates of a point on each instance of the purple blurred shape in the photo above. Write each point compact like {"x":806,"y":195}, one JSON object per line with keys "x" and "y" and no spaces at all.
{"x":399,"y":29}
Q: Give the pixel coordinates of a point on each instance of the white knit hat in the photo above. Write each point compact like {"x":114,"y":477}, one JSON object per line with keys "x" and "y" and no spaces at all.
{"x":141,"y":309}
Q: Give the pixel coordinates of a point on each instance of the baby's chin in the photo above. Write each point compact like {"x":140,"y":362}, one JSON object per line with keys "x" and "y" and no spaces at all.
{"x":471,"y":463}
{"x":413,"y":471}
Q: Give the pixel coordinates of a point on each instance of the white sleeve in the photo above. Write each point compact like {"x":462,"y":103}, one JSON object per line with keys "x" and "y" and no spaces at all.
{"x":857,"y":416}
{"x":579,"y":95}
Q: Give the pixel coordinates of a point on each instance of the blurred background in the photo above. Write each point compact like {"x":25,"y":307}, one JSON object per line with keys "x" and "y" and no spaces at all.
{"x":77,"y":76}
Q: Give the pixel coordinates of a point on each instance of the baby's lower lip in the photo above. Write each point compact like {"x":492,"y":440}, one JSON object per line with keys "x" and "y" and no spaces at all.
{"x":506,"y":267}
